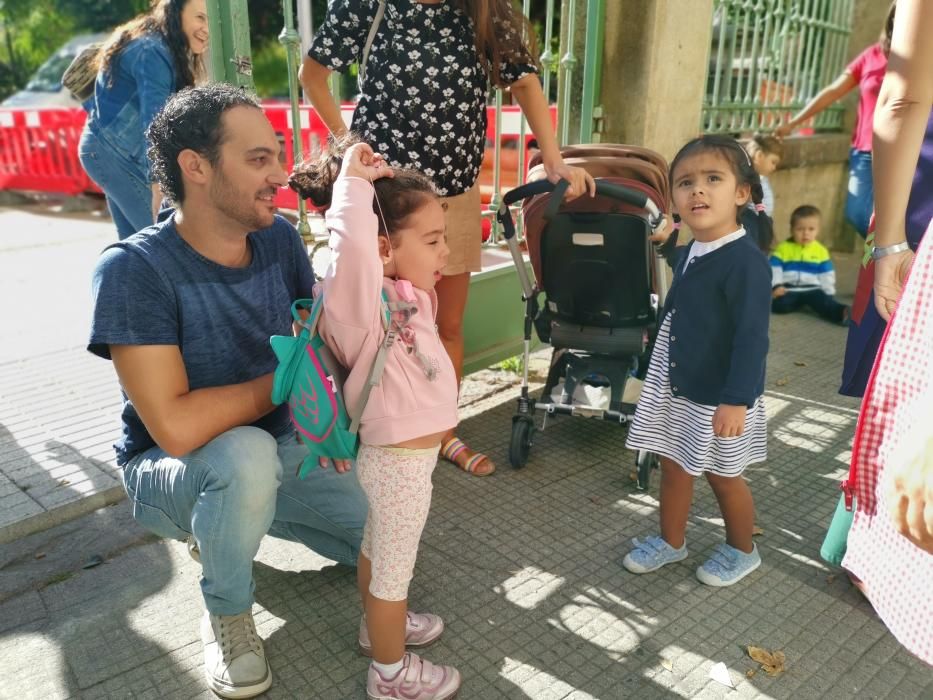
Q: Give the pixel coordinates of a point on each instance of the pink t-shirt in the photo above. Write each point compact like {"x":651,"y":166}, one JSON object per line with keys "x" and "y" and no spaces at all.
{"x":868,"y":70}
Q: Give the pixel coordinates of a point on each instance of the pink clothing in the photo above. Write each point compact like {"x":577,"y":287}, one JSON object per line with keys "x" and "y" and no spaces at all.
{"x":868,"y":70}
{"x":397,"y":484}
{"x":897,"y":573}
{"x":407,"y":403}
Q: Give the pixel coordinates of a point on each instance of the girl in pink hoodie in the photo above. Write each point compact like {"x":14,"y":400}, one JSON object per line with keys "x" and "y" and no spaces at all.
{"x":387,"y":234}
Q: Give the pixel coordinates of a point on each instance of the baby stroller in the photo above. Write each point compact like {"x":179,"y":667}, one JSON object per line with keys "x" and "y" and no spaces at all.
{"x":602,"y":283}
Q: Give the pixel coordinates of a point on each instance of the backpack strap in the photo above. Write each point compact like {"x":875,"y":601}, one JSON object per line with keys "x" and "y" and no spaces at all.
{"x":379,"y":364}
{"x":377,"y":20}
{"x":309,"y":325}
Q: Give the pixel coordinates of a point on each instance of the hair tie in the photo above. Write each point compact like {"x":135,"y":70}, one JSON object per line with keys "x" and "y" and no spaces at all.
{"x":760,"y":207}
{"x":676,"y":226}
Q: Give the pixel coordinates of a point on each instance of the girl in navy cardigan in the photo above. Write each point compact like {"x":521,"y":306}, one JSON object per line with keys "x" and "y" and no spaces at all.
{"x":701,"y":406}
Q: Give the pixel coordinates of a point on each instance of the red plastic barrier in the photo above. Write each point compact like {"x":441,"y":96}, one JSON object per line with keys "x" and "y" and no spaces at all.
{"x":39,"y":148}
{"x":39,"y":151}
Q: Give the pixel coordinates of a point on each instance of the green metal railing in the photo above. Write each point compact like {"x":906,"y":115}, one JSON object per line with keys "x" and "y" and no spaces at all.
{"x":769,"y":57}
{"x":564,"y":65}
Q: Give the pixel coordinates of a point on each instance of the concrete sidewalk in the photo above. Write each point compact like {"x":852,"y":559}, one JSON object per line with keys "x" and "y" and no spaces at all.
{"x":524,"y":566}
{"x":57,"y":402}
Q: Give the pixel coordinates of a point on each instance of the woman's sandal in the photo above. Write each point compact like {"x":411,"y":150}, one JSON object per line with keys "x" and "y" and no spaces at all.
{"x":455,"y":448}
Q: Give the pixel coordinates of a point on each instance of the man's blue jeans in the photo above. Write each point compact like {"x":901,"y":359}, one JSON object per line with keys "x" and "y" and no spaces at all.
{"x":860,"y":199}
{"x":233,"y":491}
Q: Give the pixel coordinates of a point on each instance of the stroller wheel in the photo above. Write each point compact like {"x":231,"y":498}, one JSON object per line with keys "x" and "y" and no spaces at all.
{"x":645,"y":462}
{"x":523,"y":430}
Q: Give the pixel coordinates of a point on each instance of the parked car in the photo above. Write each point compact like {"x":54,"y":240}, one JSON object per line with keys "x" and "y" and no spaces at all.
{"x":44,"y":88}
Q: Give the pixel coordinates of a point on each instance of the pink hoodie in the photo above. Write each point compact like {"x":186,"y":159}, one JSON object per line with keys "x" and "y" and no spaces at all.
{"x":406,"y":404}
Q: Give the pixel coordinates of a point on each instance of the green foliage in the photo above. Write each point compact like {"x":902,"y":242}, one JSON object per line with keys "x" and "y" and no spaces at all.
{"x":269,"y":70}
{"x":31,"y":30}
{"x":101,"y":15}
{"x":266,"y":18}
{"x":29,"y":39}
{"x":511,"y":364}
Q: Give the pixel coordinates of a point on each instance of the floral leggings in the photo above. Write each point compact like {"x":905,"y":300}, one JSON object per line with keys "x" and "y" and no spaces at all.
{"x":397,"y":483}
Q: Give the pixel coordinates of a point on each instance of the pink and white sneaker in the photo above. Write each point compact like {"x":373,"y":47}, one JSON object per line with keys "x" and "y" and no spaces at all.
{"x":421,"y":630}
{"x":418,"y":680}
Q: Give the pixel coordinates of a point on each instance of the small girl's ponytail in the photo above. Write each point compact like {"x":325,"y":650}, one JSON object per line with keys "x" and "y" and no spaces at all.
{"x":314,"y":179}
{"x":398,"y":196}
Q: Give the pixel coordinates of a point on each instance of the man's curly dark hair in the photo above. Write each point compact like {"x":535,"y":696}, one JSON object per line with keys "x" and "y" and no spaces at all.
{"x":191,"y":119}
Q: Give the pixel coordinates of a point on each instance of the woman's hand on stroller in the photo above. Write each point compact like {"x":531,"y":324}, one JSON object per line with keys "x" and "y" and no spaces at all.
{"x":580,"y":180}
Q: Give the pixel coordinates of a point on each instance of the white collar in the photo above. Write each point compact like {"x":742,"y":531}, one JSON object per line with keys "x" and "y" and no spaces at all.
{"x":709,"y":246}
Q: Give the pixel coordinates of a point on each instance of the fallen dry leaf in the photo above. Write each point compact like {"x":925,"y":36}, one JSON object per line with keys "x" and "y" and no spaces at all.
{"x":668,"y":665}
{"x":40,"y":555}
{"x":772,"y":662}
{"x":782,"y":381}
{"x":830,"y":578}
{"x":800,"y":363}
{"x":633,"y":476}
{"x":750,"y":673}
{"x":757,"y":531}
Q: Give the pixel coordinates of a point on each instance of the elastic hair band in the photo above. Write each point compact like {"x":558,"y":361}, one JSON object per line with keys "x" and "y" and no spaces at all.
{"x":676,"y":226}
{"x":760,"y":207}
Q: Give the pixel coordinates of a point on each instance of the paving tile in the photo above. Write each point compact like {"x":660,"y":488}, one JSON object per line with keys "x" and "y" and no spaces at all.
{"x":16,"y":507}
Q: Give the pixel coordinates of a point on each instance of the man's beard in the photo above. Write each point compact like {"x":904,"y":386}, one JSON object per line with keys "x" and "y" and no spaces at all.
{"x":238,"y":205}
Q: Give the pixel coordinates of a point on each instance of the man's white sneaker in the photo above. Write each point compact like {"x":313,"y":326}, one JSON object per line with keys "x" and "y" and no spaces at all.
{"x":234,"y":661}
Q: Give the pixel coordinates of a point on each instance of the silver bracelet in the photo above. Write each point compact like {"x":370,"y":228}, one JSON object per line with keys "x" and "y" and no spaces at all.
{"x":877,"y":253}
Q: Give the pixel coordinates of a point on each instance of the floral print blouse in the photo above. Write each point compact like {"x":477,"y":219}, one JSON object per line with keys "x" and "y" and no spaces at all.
{"x":423,"y":104}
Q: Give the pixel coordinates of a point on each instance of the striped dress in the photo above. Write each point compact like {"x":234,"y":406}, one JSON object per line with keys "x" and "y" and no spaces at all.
{"x":681,"y":430}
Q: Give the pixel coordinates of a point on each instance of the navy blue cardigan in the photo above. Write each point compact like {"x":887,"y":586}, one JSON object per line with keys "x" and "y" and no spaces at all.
{"x":720,"y":309}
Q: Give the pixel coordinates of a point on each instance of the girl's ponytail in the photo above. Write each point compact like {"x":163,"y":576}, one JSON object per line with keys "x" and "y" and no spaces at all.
{"x":765,"y":224}
{"x":398,"y":196}
{"x":314,"y":179}
{"x":668,"y":249}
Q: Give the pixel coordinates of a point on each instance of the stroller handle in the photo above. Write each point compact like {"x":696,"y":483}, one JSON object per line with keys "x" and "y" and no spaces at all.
{"x":607,"y":189}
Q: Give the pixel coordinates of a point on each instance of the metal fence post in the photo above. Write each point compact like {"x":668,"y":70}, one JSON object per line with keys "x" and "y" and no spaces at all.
{"x":291,"y":40}
{"x":231,"y":58}
{"x":592,"y":66}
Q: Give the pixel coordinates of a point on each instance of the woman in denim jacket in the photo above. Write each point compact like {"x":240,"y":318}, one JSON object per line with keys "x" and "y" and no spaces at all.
{"x":143,"y":63}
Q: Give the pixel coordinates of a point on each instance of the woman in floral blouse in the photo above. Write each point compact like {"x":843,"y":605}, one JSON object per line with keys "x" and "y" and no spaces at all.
{"x":423,"y":106}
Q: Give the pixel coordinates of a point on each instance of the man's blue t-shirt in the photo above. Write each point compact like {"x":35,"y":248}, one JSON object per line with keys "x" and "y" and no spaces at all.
{"x":155,"y":289}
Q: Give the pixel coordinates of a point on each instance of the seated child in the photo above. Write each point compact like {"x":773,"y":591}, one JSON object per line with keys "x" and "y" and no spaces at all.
{"x":765,"y":154}
{"x":802,"y":272}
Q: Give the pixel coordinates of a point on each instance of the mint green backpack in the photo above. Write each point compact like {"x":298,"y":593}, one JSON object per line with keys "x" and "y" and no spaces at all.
{"x":310,"y":380}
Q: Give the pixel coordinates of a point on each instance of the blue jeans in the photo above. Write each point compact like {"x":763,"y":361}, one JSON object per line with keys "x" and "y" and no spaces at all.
{"x":124,"y":182}
{"x":233,"y":491}
{"x":860,"y":200}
